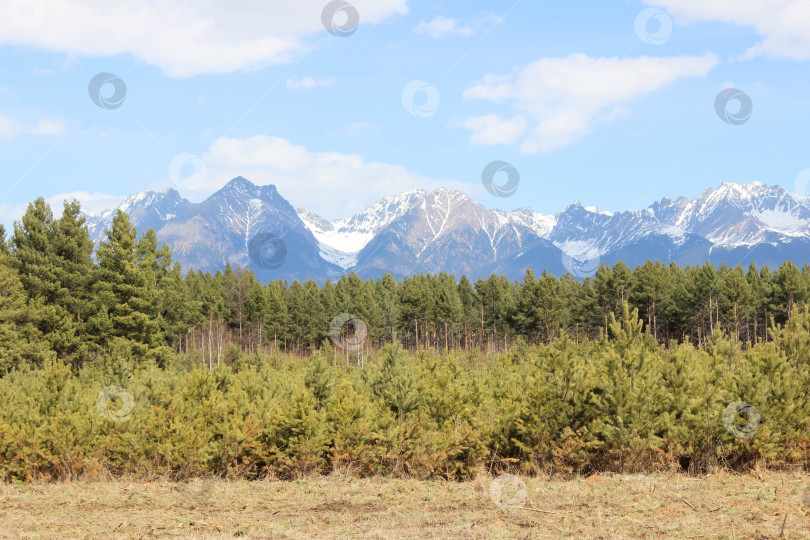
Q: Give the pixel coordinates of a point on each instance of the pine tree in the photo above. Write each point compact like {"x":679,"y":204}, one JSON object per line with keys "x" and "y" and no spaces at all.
{"x":371,"y":311}
{"x":354,"y":422}
{"x":469,"y":308}
{"x":630,"y":400}
{"x":126,"y":299}
{"x":236,"y":290}
{"x":526,"y":314}
{"x":386,"y":293}
{"x":498,"y":300}
{"x":277,"y":318}
{"x":74,"y":265}
{"x":32,"y":245}
{"x":735,"y":296}
{"x":552,"y":303}
{"x":416,"y":303}
{"x":766,"y":306}
{"x":604,"y":297}
{"x":448,"y":307}
{"x":396,"y":382}
{"x":20,"y":341}
{"x":179,"y":311}
{"x":791,"y":289}
{"x":649,"y":292}
{"x":319,"y":378}
{"x":53,"y":258}
{"x":256,"y":311}
{"x":678,"y":310}
{"x":703,"y":299}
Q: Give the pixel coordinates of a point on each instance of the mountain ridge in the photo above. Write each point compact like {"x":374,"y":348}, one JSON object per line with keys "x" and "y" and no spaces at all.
{"x":445,"y":230}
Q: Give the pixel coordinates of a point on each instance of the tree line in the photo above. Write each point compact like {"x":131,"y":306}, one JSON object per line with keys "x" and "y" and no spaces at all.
{"x":64,"y":298}
{"x":115,"y":362}
{"x":622,"y":404}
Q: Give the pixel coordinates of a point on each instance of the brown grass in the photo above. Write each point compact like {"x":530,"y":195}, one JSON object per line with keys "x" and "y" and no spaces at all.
{"x":659,"y":506}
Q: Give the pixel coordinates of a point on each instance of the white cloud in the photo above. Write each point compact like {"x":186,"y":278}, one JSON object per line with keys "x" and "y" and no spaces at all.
{"x":182,"y":37}
{"x":92,"y":203}
{"x":308,"y":83}
{"x":49,"y":127}
{"x":783,"y":24}
{"x":491,"y":129}
{"x":8,"y":128}
{"x":330,"y":183}
{"x":9,"y":213}
{"x":564,"y":98}
{"x":443,"y":26}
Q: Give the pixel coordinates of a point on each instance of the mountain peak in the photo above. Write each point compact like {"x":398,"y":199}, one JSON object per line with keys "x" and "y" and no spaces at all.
{"x":448,"y":191}
{"x":239,"y":185}
{"x":444,"y":229}
{"x":242,"y":187}
{"x":240,"y":181}
{"x":574,"y":205}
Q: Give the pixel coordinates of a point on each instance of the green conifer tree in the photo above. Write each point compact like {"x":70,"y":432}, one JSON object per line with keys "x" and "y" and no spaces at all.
{"x":127,"y":301}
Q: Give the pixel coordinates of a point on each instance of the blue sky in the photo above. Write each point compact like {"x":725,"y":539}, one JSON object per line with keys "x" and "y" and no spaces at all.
{"x":582,"y":104}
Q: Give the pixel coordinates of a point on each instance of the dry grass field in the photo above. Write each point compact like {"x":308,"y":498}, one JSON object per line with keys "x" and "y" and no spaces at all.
{"x":758,"y":505}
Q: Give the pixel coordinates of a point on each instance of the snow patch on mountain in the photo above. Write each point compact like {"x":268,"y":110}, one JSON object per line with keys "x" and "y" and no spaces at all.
{"x":343,"y":259}
{"x":579,"y":249}
{"x":740,"y":215}
{"x":341,"y":240}
{"x":781,"y":221}
{"x":541,"y":224}
{"x":677,"y":234}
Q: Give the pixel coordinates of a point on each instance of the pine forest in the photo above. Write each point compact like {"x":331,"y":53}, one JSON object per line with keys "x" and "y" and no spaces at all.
{"x":115,"y":360}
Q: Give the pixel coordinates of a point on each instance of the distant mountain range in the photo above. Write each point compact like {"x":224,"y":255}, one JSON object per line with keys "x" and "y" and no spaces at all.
{"x":445,"y":230}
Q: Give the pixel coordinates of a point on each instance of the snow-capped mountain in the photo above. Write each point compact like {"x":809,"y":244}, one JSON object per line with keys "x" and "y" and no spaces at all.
{"x":239,"y":224}
{"x":739,"y":215}
{"x":448,"y":231}
{"x":341,"y":240}
{"x":417,"y":231}
{"x":445,"y":230}
{"x":542,"y":224}
{"x":148,"y":209}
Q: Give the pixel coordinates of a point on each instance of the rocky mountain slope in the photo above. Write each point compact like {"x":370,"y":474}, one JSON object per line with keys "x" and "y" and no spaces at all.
{"x":445,"y":230}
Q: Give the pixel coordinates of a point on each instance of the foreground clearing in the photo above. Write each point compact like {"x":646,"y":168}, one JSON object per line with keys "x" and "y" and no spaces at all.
{"x":761,"y":505}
